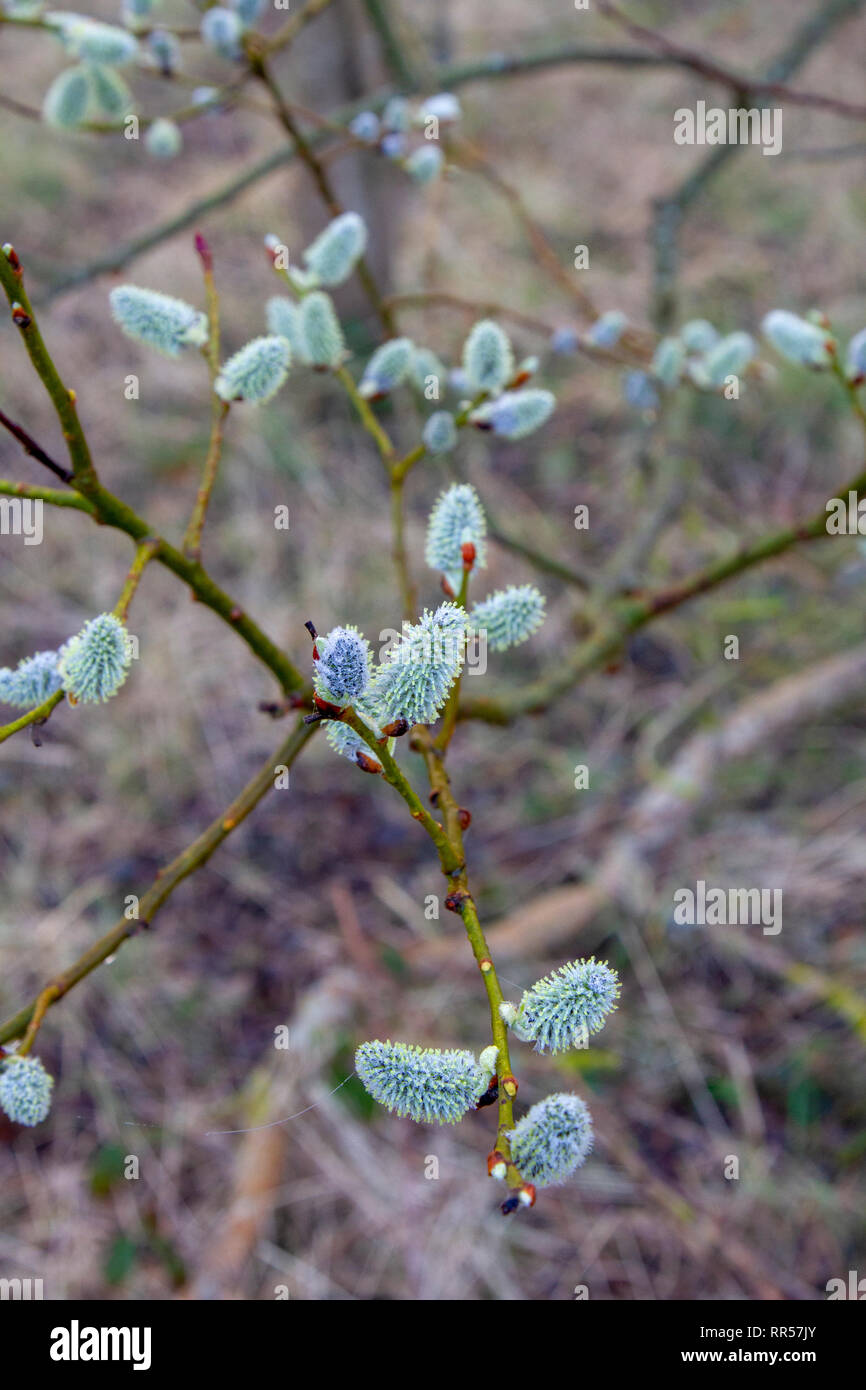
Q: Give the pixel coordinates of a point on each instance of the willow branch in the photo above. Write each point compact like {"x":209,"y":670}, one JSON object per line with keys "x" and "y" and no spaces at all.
{"x":186,"y":863}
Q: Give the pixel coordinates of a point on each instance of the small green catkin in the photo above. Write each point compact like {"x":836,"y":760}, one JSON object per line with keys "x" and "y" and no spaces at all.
{"x":427,"y":1085}
{"x":69,"y":100}
{"x":389,"y":365}
{"x":800,"y":341}
{"x":425,"y":163}
{"x":668,"y":361}
{"x":440,"y":432}
{"x":515,"y":414}
{"x":91,"y":40}
{"x":320,"y":330}
{"x":336,"y":251}
{"x":163,"y":139}
{"x":256,"y":372}
{"x":94,"y":664}
{"x":552,"y":1140}
{"x":728,"y":357}
{"x":488,"y":360}
{"x":283,"y":318}
{"x":111,"y":94}
{"x":509,"y":617}
{"x":25,"y":1089}
{"x":159,"y":320}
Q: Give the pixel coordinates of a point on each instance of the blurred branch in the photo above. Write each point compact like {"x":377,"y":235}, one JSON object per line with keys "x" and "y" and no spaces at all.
{"x":394,"y":52}
{"x":669,"y":211}
{"x":33,"y":449}
{"x":628,"y":615}
{"x":186,"y":863}
{"x":740,"y":83}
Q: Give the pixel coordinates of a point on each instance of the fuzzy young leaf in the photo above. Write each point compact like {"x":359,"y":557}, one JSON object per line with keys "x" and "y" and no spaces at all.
{"x":32,"y":682}
{"x":515,"y":413}
{"x":342,"y":670}
{"x":336,"y":251}
{"x":95,"y":662}
{"x":428,"y":1085}
{"x":158,"y":320}
{"x":488,"y":360}
{"x":560,"y":1010}
{"x":25,"y":1089}
{"x":389,"y":365}
{"x":457,"y":519}
{"x":414,"y":683}
{"x":256,"y":372}
{"x":798,"y":339}
{"x":509,"y":617}
{"x":320,"y":329}
{"x":552,"y":1140}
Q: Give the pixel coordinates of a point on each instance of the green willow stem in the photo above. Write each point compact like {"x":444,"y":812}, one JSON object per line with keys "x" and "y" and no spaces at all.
{"x":166,"y":881}
{"x":109,"y":510}
{"x":144,"y":553}
{"x":33,"y":716}
{"x":52,"y":495}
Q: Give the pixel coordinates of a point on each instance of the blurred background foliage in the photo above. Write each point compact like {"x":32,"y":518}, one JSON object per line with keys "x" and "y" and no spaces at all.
{"x":312,"y":914}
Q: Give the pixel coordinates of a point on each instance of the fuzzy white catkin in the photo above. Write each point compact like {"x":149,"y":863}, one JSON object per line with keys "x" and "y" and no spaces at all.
{"x":320,"y":330}
{"x":256,"y":372}
{"x":509,"y":617}
{"x":159,"y":320}
{"x":457,"y":519}
{"x":336,"y":251}
{"x":488,"y":360}
{"x":798,"y":339}
{"x":552,"y":1140}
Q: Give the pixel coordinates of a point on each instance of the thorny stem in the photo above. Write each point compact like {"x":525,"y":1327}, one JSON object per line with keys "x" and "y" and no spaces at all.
{"x":164,"y":885}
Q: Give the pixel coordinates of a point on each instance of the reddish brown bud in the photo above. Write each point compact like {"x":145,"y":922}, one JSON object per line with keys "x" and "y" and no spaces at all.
{"x":465,"y":818}
{"x":485,"y":965}
{"x":434,"y":796}
{"x":397,"y":729}
{"x":509,"y":1086}
{"x":527,"y":1195}
{"x":367,"y":764}
{"x":204,"y":252}
{"x":331,"y":711}
{"x":235,"y":615}
{"x":467,"y":550}
{"x":12,"y":257}
{"x":491,"y":1095}
{"x":496,"y":1165}
{"x":454,"y":902}
{"x":20,"y":317}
